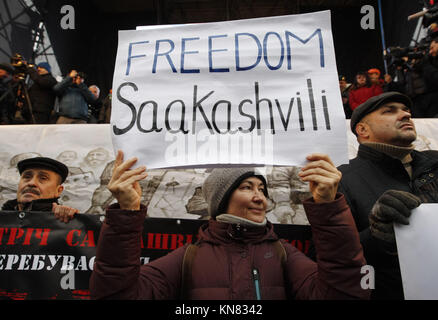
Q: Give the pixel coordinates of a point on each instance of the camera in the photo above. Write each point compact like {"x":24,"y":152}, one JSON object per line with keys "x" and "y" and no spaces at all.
{"x":431,"y":15}
{"x":405,"y":57}
{"x":79,"y":75}
{"x":20,"y":66}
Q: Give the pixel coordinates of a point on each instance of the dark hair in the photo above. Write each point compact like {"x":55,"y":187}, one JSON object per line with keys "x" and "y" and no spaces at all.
{"x":367,"y":77}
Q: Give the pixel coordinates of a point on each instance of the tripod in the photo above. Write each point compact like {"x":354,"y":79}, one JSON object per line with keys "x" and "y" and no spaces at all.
{"x":22,"y":99}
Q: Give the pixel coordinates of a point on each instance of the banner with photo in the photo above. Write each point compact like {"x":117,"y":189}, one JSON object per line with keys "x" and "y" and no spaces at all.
{"x":255,"y":91}
{"x":42,"y":258}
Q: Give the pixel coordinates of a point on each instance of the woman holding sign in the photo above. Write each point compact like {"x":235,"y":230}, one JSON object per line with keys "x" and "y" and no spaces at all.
{"x":238,"y":255}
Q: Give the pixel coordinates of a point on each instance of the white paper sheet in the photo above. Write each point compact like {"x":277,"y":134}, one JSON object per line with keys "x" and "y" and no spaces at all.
{"x":255,"y":91}
{"x":417,"y":245}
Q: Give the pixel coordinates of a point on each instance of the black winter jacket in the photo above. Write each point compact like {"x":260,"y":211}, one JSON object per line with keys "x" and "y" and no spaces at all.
{"x":363,"y":181}
{"x":227,"y":257}
{"x":35,"y":205}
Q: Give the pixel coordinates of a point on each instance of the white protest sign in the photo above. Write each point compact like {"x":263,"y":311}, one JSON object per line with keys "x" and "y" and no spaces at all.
{"x":417,"y":245}
{"x":256,"y":91}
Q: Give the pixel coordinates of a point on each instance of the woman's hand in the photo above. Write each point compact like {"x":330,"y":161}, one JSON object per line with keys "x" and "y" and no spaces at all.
{"x":323,"y":177}
{"x":63,"y":213}
{"x":124,"y":183}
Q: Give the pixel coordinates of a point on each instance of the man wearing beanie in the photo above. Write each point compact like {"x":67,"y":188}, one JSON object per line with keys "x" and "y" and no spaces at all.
{"x":41,"y":93}
{"x":386,"y":180}
{"x":74,"y":98}
{"x":238,"y":255}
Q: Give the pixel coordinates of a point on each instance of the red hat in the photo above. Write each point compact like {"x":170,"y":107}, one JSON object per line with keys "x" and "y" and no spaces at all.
{"x":374,"y":70}
{"x":46,"y":163}
{"x":375,"y":103}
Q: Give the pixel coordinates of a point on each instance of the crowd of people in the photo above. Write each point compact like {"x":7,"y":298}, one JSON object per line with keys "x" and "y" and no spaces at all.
{"x":352,"y":208}
{"x":418,"y":80}
{"x":42,"y":100}
{"x":45,"y":101}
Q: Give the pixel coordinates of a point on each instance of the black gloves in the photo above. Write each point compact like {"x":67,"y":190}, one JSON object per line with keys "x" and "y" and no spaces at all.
{"x":392,"y":206}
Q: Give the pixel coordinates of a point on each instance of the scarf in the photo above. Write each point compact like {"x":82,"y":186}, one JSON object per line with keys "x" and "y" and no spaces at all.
{"x":401,"y":153}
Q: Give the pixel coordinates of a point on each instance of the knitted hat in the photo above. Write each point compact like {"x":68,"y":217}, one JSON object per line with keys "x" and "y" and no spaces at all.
{"x":375,"y":103}
{"x":45,"y":163}
{"x":221,"y":182}
{"x":45,"y":65}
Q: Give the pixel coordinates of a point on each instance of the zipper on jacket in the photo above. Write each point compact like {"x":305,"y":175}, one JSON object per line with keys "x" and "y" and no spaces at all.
{"x":256,"y":278}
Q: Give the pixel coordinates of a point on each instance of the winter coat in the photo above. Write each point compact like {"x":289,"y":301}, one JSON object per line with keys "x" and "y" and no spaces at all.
{"x":357,"y":96}
{"x":363,"y":181}
{"x":73,"y":99}
{"x":426,"y":105}
{"x":41,"y":92}
{"x":227,"y":255}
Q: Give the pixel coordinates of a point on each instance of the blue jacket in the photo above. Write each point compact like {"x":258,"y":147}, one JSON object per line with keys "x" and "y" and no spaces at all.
{"x":73,"y":99}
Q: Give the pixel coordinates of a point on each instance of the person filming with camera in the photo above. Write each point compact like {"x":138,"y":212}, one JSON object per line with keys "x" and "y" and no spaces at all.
{"x":6,"y":96}
{"x":74,"y":97}
{"x":417,"y":77}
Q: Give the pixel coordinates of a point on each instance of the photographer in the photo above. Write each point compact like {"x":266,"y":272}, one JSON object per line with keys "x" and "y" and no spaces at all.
{"x":21,"y":109}
{"x":362,"y":89}
{"x":94,"y":108}
{"x":417,"y":76}
{"x":74,"y":97}
{"x":427,"y":67}
{"x":41,"y":95}
{"x":6,"y":96}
